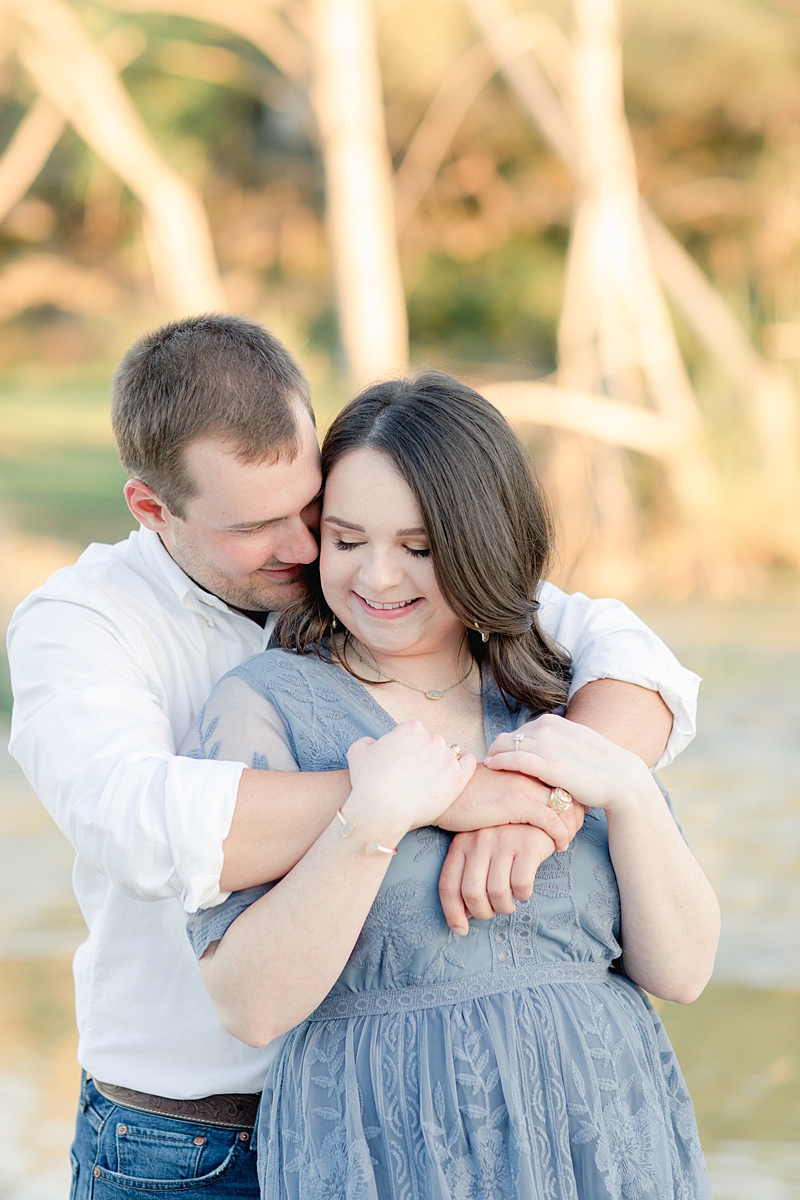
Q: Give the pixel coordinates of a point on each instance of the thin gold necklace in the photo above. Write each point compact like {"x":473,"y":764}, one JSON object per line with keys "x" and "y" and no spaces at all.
{"x":432,"y":694}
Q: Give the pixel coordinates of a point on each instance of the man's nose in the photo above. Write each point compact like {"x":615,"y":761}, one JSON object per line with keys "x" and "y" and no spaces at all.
{"x":298,"y":545}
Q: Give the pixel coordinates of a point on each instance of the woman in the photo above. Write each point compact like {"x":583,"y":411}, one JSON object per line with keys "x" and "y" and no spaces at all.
{"x":510,"y":1062}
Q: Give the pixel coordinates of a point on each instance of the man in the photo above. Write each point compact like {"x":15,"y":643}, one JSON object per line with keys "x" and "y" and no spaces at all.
{"x":113,"y":658}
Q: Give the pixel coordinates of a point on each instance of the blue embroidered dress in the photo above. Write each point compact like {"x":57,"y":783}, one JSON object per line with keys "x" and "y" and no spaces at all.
{"x":512,"y":1063}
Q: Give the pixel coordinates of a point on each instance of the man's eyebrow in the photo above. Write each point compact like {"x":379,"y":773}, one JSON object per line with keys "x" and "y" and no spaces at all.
{"x":418,"y":532}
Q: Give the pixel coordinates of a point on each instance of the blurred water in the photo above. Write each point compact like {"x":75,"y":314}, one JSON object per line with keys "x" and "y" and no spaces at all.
{"x":737,"y":794}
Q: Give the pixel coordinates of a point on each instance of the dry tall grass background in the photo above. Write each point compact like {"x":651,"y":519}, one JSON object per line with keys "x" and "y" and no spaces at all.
{"x":590,"y":210}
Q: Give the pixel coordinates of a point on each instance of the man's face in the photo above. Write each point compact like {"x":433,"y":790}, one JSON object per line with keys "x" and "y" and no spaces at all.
{"x":250,"y":530}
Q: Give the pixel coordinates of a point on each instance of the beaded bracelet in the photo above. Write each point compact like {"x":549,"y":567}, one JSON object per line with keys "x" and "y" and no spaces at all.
{"x":372,"y":845}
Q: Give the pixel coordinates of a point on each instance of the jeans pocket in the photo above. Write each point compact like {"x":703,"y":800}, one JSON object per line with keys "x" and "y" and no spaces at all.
{"x":141,"y":1159}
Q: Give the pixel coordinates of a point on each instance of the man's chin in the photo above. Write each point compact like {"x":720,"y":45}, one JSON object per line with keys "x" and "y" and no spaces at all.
{"x":272,"y":597}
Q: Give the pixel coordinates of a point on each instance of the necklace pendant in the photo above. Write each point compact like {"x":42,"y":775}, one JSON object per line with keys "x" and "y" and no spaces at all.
{"x":434,"y":695}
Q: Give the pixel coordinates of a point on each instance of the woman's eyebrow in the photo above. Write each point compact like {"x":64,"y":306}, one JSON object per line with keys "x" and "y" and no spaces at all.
{"x":418,"y":532}
{"x":344,"y":524}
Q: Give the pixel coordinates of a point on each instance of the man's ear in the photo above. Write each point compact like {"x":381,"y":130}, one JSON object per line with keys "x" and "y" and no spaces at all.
{"x":146,"y":506}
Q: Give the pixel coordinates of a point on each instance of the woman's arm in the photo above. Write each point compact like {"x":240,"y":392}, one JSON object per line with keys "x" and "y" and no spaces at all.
{"x":281,"y":957}
{"x":670,"y":918}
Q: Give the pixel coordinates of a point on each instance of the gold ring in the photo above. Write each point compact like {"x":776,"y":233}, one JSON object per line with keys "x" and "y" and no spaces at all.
{"x":560,"y":800}
{"x":457,"y":750}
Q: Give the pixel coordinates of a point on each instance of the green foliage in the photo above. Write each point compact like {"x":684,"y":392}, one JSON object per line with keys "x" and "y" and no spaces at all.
{"x":501,"y":306}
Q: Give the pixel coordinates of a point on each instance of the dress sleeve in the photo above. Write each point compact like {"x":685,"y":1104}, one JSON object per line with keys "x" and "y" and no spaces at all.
{"x":208,"y":925}
{"x":608,"y":641}
{"x":238,"y":724}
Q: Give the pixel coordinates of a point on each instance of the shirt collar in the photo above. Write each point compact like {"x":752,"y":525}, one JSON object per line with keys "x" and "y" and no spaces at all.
{"x":189,"y":593}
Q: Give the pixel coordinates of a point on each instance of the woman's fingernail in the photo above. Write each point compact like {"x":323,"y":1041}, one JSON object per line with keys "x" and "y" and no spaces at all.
{"x":461,"y":930}
{"x":488,"y":759}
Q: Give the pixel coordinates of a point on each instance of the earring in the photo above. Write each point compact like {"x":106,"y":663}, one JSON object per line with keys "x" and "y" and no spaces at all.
{"x":483,"y":633}
{"x":334,"y":625}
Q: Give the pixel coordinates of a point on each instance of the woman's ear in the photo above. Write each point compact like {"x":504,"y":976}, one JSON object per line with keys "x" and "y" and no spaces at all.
{"x":145,"y":505}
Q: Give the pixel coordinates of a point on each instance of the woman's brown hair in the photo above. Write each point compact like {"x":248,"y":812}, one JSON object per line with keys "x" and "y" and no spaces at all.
{"x":485,"y":516}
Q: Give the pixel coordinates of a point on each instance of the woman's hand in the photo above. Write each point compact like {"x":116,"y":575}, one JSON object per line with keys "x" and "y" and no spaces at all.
{"x":405,"y":779}
{"x":596,"y":772}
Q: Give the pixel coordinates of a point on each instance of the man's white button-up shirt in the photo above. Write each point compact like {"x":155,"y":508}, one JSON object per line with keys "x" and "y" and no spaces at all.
{"x":110,"y":662}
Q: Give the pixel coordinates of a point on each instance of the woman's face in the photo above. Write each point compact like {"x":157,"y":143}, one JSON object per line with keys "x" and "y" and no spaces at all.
{"x":375,"y":565}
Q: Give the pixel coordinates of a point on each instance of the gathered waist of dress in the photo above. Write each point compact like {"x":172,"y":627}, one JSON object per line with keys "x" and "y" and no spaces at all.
{"x":341,"y":1005}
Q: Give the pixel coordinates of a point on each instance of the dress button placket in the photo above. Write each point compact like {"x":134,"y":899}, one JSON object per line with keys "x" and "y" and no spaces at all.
{"x":503,"y":959}
{"x":522,"y":926}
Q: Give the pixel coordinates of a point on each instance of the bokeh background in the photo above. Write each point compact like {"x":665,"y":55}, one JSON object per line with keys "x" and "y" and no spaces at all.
{"x":589,"y":211}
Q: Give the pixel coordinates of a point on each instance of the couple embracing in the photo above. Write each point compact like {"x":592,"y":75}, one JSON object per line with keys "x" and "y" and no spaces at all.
{"x":426,"y":866}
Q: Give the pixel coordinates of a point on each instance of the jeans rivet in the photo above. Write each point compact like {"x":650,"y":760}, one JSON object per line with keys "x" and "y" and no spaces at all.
{"x":244,"y":1137}
{"x":122,"y":1129}
{"x":199,"y":1141}
{"x":96,"y":1172}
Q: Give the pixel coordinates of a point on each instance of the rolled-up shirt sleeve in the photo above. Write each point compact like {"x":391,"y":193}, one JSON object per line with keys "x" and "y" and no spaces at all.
{"x":238,"y":721}
{"x":91,"y":732}
{"x":608,"y":641}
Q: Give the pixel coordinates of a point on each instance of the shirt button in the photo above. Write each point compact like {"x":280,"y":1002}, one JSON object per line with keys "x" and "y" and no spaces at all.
{"x":501,"y":937}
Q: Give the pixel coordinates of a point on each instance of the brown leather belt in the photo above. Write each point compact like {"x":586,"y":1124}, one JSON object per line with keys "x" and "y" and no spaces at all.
{"x":234,"y":1111}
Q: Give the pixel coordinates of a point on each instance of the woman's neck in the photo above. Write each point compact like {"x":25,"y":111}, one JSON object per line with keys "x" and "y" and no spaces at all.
{"x":427,"y":670}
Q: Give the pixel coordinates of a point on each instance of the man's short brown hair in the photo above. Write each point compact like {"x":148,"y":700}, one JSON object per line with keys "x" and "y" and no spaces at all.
{"x":208,"y":376}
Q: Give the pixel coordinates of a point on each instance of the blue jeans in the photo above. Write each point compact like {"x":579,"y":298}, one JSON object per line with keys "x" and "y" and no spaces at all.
{"x":122,"y":1154}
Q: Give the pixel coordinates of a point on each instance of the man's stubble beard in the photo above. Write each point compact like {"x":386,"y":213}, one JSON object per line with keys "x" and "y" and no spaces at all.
{"x":254,"y":595}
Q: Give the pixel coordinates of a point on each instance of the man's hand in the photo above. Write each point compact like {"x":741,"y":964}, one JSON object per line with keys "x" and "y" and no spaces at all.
{"x":497,"y":798}
{"x":487,"y":870}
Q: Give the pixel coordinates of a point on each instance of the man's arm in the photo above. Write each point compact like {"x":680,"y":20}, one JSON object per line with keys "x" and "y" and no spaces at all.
{"x":91,"y":731}
{"x":266,"y":838}
{"x":634,"y":717}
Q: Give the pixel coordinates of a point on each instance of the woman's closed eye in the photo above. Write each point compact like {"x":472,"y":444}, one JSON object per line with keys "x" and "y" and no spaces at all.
{"x":414,"y":551}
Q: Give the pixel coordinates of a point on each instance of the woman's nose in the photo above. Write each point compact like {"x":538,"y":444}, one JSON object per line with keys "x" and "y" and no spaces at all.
{"x":380,"y":571}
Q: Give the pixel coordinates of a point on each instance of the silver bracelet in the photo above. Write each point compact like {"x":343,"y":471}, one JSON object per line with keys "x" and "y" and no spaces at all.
{"x":373,"y":846}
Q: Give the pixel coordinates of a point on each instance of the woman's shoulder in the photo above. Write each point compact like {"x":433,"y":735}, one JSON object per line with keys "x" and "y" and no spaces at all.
{"x":283,"y":670}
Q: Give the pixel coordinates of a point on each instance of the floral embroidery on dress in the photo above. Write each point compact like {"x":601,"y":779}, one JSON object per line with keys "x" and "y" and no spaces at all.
{"x":485,"y":1172}
{"x":204,"y":735}
{"x":431,"y":839}
{"x":400,"y":922}
{"x":603,"y":908}
{"x":340,"y":1168}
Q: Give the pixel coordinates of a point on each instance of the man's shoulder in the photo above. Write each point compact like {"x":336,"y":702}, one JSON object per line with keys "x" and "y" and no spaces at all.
{"x":105,"y":578}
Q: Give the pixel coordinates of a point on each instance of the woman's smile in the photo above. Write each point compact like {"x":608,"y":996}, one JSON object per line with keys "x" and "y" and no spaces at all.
{"x":389,"y":610}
